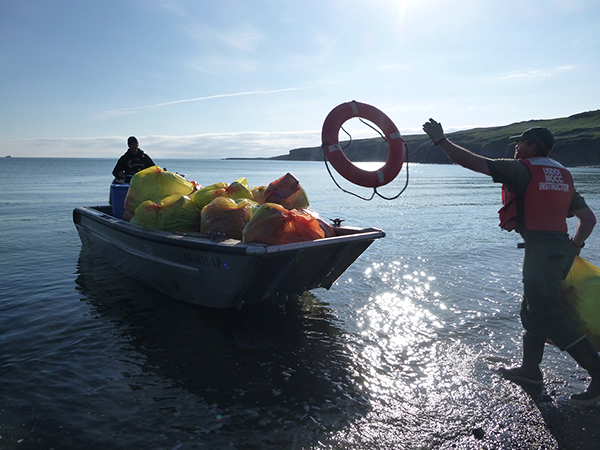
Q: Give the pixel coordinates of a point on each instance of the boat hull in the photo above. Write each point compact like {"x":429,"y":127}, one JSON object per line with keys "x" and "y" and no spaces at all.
{"x":216,"y":271}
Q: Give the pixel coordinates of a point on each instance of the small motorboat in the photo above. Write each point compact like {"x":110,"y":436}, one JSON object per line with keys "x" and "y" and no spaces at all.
{"x":216,"y":271}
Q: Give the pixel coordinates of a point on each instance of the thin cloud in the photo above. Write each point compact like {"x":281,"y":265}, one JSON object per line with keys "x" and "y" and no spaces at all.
{"x":202,"y":146}
{"x":125,"y":111}
{"x":537,"y":73}
{"x":241,"y":39}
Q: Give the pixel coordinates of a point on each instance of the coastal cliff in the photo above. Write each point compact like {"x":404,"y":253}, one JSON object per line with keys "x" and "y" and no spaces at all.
{"x":577,"y":143}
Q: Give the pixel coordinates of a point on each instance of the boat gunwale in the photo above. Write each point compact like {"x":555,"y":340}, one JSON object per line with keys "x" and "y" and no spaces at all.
{"x":224,"y":245}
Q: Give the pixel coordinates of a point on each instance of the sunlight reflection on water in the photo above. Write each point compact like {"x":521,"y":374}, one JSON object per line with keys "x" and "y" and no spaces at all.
{"x":394,"y":327}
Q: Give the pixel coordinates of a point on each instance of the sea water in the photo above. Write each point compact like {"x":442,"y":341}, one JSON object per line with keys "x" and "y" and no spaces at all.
{"x":400,"y":353}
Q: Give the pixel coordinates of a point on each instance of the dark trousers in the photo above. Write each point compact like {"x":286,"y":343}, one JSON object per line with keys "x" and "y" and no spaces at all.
{"x":547,"y":262}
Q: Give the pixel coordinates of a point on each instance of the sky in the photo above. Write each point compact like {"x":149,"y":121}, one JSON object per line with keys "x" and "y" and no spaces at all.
{"x":256,"y":78}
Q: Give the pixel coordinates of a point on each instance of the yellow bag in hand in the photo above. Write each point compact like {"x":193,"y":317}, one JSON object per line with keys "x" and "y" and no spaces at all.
{"x":581,"y":298}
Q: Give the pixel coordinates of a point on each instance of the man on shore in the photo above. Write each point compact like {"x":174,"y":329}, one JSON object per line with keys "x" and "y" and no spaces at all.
{"x":538,"y":195}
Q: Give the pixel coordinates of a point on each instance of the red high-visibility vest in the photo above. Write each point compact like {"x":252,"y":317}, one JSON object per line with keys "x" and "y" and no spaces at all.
{"x":546,"y":201}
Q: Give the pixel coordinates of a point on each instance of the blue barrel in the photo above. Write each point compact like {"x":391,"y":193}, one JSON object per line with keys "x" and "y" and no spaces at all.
{"x":118,"y":192}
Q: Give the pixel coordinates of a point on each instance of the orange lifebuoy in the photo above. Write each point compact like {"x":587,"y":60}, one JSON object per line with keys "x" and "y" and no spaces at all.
{"x":333,"y":150}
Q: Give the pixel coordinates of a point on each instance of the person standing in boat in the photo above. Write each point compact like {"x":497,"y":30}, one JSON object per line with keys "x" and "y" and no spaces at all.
{"x":538,"y":195}
{"x":131,"y":162}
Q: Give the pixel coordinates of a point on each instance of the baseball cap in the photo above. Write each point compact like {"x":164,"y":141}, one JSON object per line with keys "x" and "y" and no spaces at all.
{"x":542,"y":136}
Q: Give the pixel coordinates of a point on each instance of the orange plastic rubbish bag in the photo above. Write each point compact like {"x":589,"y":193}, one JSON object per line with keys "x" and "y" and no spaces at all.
{"x":581,"y":298}
{"x":328,"y":230}
{"x":227,"y":216}
{"x":287,"y":192}
{"x":154,"y":183}
{"x":272,"y":224}
{"x":174,"y":213}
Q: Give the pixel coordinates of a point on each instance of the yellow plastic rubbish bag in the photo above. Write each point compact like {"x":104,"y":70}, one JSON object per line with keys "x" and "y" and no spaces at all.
{"x":238,"y":189}
{"x":174,"y":213}
{"x":258,"y":193}
{"x":581,"y":298}
{"x":154,"y":184}
{"x":227,"y":216}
